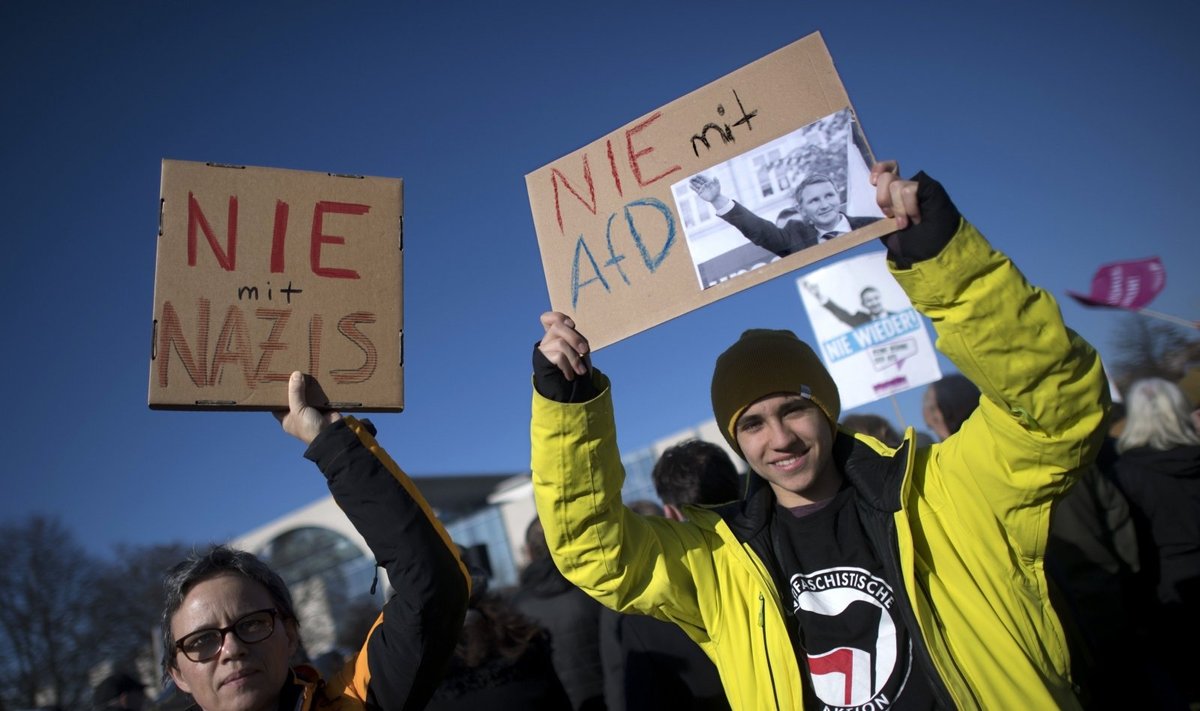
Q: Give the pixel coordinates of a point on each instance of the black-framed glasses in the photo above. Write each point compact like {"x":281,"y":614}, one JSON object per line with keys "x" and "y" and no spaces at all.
{"x":203,"y":645}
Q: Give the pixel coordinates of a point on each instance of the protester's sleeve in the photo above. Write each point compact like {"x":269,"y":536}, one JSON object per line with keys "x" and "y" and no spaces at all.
{"x":406,"y":652}
{"x":767,"y":235}
{"x":628,"y":562}
{"x":1044,"y":391}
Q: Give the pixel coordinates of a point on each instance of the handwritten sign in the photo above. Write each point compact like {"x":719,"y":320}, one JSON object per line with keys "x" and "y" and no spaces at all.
{"x":872,"y":340}
{"x":750,"y":177}
{"x":262,"y":271}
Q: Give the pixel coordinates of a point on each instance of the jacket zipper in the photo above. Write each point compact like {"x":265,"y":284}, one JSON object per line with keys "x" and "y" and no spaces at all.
{"x":762,"y":623}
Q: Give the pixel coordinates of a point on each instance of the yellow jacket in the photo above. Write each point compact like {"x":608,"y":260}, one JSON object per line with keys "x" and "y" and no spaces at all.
{"x":963,"y":522}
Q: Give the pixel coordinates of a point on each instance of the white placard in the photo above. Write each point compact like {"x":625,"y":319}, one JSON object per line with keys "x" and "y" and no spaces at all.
{"x":873,"y":341}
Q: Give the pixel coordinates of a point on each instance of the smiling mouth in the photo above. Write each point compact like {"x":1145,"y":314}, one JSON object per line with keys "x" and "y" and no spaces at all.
{"x":790,"y":462}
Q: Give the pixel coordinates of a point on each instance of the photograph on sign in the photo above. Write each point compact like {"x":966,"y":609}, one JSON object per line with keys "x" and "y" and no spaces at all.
{"x":789,"y":194}
{"x":870,"y":337}
{"x":626,"y":237}
{"x":263,"y":271}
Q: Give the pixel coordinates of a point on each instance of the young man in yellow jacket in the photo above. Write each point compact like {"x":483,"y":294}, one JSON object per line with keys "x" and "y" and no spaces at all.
{"x":851,"y":575}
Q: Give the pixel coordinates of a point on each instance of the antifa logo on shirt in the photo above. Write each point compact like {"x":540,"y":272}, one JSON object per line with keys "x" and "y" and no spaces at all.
{"x":851,"y":638}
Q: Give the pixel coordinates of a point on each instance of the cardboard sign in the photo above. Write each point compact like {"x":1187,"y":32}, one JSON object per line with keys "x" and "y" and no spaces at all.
{"x":736,"y":183}
{"x":263,"y":271}
{"x":872,"y":340}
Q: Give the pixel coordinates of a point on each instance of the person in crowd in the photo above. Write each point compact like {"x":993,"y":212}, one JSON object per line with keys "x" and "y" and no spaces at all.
{"x":693,"y":473}
{"x":1190,"y":386}
{"x":229,"y":626}
{"x":948,"y":403}
{"x":121,"y":691}
{"x":818,"y":203}
{"x":873,"y":426}
{"x":571,"y":617}
{"x":502,"y":660}
{"x":1159,"y":470}
{"x":650,"y":664}
{"x":849,"y":577}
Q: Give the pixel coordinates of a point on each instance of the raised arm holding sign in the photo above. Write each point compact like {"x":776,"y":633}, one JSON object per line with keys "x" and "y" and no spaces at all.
{"x":627,"y":234}
{"x":229,"y":625}
{"x":850,"y":574}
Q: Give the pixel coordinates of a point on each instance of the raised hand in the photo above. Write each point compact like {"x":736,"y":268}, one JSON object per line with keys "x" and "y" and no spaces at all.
{"x":709,"y":189}
{"x":896,"y":197}
{"x":563,"y":345}
{"x":302,"y":420}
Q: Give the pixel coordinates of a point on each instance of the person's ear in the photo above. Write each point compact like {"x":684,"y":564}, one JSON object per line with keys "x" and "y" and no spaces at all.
{"x":293,"y":637}
{"x":178,"y":678}
{"x":672,"y":512}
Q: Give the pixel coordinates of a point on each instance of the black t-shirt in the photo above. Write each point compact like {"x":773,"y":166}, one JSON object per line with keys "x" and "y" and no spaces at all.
{"x":846,"y":627}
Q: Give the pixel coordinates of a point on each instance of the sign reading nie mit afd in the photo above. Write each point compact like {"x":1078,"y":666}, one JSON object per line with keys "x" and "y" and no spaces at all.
{"x":759,"y":173}
{"x":262,"y":271}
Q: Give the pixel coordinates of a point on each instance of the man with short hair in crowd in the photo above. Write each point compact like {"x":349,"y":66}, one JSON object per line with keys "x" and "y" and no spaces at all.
{"x":693,"y":473}
{"x":851,"y":574}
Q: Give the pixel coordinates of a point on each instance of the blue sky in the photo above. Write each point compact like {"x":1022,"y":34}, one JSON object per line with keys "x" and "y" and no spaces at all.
{"x":1065,"y":131}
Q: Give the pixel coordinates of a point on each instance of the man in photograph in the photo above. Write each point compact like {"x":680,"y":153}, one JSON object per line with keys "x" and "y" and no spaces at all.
{"x":850,"y":574}
{"x":872,"y":303}
{"x":819,"y":207}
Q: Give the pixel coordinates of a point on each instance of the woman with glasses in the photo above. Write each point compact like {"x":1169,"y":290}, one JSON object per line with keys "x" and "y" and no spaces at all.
{"x":229,"y":627}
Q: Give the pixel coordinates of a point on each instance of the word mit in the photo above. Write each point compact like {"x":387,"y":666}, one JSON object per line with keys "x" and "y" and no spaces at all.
{"x":250,"y":292}
{"x":724,"y":131}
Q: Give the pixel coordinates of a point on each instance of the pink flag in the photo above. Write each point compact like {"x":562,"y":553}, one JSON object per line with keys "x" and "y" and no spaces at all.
{"x":1125,"y":285}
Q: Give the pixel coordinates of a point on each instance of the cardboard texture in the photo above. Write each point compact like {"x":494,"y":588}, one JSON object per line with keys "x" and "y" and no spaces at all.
{"x":627,"y":242}
{"x":262,"y":271}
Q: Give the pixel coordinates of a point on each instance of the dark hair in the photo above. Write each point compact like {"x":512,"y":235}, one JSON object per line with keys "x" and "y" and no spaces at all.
{"x":493,"y":629}
{"x":114,"y":685}
{"x":956,"y":398}
{"x":814,"y":179}
{"x":203,"y":565}
{"x":645,"y":507}
{"x":535,"y":540}
{"x":695,"y":472}
{"x":863,"y":293}
{"x":875,"y":426}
